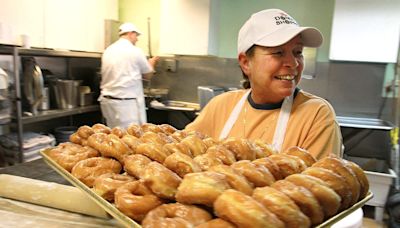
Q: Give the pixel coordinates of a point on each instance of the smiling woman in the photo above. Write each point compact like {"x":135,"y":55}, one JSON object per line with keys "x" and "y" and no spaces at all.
{"x":271,"y":107}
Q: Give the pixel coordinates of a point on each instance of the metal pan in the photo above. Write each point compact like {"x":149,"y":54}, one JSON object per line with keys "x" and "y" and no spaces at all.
{"x":128,"y":222}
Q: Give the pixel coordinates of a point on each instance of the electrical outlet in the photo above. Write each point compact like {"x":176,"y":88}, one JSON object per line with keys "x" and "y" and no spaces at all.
{"x":170,"y":65}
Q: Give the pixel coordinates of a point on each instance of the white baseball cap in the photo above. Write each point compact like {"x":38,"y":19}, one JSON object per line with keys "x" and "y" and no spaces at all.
{"x":274,"y":27}
{"x":128,"y":27}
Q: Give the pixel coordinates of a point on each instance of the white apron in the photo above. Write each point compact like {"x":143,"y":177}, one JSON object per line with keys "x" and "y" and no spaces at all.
{"x":123,"y":113}
{"x":280,"y":130}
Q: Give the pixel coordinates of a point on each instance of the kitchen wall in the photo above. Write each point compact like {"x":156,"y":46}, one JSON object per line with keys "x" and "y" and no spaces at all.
{"x":353,"y":88}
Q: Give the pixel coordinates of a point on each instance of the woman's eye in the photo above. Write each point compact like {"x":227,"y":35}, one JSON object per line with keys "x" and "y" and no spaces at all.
{"x":299,"y":53}
{"x":278,"y":53}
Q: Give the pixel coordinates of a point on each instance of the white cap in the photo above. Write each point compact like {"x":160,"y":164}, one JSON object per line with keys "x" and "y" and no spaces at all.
{"x":274,"y":27}
{"x":128,"y":27}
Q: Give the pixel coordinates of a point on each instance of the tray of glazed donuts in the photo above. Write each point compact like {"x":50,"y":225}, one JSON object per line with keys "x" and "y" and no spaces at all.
{"x":157,"y":176}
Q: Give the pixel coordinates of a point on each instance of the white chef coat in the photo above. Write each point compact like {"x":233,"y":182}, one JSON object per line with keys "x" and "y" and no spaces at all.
{"x":122,"y":67}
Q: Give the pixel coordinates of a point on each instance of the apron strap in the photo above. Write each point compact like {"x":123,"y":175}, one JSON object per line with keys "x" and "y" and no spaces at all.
{"x":280,"y":129}
{"x":233,"y":117}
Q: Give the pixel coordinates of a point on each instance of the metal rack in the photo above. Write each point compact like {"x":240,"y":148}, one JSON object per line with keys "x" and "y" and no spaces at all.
{"x":16,"y":52}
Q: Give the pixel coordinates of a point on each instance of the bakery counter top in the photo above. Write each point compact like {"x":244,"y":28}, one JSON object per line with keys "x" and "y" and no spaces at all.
{"x":37,"y":169}
{"x":20,"y":214}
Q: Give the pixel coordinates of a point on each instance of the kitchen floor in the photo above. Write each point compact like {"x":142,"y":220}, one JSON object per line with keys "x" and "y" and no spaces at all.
{"x":369,"y":221}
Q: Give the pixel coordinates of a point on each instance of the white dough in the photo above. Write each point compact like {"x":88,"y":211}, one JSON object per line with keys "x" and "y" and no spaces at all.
{"x":49,"y":194}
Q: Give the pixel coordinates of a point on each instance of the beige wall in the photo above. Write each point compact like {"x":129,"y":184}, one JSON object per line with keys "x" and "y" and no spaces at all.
{"x":138,"y":12}
{"x":232,"y":14}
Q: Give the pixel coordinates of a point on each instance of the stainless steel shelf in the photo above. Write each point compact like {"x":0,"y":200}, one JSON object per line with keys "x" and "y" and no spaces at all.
{"x":46,"y":52}
{"x":57,"y":113}
{"x":366,"y":123}
{"x":18,"y":119}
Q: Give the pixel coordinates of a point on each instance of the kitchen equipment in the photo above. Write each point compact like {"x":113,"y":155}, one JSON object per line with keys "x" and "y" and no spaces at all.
{"x":5,"y":103}
{"x":66,"y":93}
{"x":62,"y":134}
{"x":45,"y":105}
{"x":205,"y":93}
{"x":33,"y":83}
{"x":86,"y":98}
{"x":149,"y":36}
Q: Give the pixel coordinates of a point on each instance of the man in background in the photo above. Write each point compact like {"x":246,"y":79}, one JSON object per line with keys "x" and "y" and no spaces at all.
{"x":123,"y":67}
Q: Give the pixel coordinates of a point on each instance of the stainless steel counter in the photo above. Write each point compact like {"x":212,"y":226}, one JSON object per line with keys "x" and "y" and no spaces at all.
{"x":175,"y":106}
{"x":365,"y":123}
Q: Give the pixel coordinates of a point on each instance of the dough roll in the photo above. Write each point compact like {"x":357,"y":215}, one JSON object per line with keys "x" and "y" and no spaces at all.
{"x":49,"y":194}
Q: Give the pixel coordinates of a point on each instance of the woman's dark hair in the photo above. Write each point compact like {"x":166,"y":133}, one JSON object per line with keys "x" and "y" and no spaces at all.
{"x":245,"y":82}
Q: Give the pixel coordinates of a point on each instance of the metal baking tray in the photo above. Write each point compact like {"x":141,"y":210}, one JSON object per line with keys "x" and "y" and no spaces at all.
{"x":128,"y":222}
{"x":107,"y":206}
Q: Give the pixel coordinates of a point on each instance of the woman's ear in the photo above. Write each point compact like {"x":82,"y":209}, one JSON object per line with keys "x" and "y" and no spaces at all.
{"x":244,"y":63}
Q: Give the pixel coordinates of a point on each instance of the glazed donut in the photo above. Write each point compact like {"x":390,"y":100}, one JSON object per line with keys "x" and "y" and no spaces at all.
{"x":134,"y":164}
{"x":337,"y":166}
{"x":282,"y":206}
{"x":195,"y":144}
{"x":265,"y":149}
{"x":216,"y":223}
{"x":68,"y":154}
{"x":160,"y":180}
{"x":205,"y":161}
{"x":75,"y":138}
{"x":153,"y":151}
{"x":179,"y":135}
{"x":118,"y":131}
{"x":181,"y":164}
{"x":167,"y":138}
{"x":334,"y":181}
{"x":135,"y":200}
{"x":222,"y":153}
{"x":106,"y":184}
{"x":135,"y":130}
{"x":361,"y":177}
{"x":254,"y":173}
{"x":303,"y":154}
{"x":327,"y":198}
{"x":210,"y":142}
{"x":131,"y":141}
{"x":89,"y":169}
{"x":175,"y":215}
{"x":101,"y":128}
{"x":236,"y":180}
{"x":156,"y":137}
{"x":85,"y":131}
{"x":149,"y":127}
{"x":96,"y":140}
{"x":198,"y":134}
{"x":109,"y":145}
{"x":288,"y":164}
{"x":171,"y":148}
{"x":271,"y":166}
{"x":241,"y":148}
{"x":244,"y":211}
{"x":167,"y":129}
{"x":201,"y":188}
{"x":303,"y":198}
